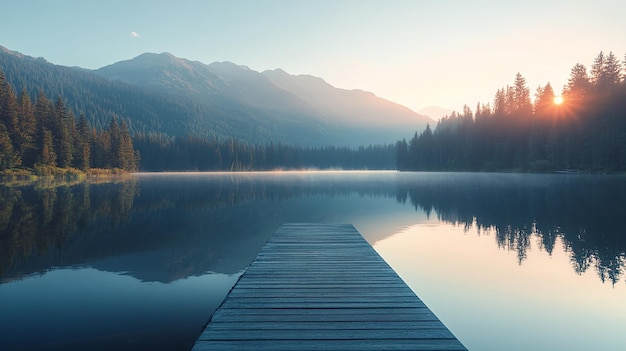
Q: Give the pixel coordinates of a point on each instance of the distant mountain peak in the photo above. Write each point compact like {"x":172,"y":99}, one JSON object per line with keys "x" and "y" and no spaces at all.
{"x":164,"y":94}
{"x":435,"y":112}
{"x":153,"y":59}
{"x":278,"y":71}
{"x":20,"y":55}
{"x":162,"y":72}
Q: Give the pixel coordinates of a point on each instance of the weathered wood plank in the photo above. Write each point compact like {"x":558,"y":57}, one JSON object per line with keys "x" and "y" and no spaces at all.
{"x":324,"y":325}
{"x":332,"y":345}
{"x":312,"y":285}
{"x":305,"y":312}
{"x":322,"y":287}
{"x":315,"y":334}
{"x":329,"y":316}
{"x":323,"y":304}
{"x":316,"y":293}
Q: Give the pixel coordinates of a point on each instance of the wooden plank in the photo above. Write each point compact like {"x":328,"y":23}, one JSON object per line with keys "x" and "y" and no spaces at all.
{"x":324,"y":334}
{"x":330,"y":316}
{"x":322,"y":287}
{"x":330,"y":304}
{"x":316,"y":293}
{"x":332,"y":345}
{"x":325,"y":325}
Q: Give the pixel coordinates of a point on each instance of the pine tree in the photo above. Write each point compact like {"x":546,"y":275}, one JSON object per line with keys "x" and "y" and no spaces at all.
{"x":402,"y":155}
{"x":126,"y":155}
{"x":9,"y":114}
{"x":28,"y":130}
{"x":100,"y":148}
{"x":8,"y":157}
{"x":43,"y":110}
{"x":509,"y":106}
{"x":499,"y":103}
{"x":521,"y":96}
{"x":612,"y":71}
{"x":82,"y":147}
{"x":63,"y":125}
{"x":115,"y":142}
{"x":47,"y":157}
{"x":578,"y":85}
{"x":597,"y":71}
{"x":544,"y":100}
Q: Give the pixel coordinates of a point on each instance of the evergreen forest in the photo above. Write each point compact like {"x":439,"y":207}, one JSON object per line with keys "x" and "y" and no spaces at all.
{"x":46,"y":138}
{"x":198,"y":153}
{"x":581,"y":130}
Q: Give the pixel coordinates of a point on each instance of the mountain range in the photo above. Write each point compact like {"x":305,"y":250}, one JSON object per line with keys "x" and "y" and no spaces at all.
{"x":171,"y":96}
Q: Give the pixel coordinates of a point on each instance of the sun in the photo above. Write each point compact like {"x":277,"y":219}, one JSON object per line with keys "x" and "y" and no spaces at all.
{"x":558,"y":100}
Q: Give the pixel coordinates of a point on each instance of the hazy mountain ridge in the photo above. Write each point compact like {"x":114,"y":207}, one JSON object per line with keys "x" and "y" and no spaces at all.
{"x":151,"y":109}
{"x":161,"y":93}
{"x":435,"y":112}
{"x":162,"y":72}
{"x":351,"y":106}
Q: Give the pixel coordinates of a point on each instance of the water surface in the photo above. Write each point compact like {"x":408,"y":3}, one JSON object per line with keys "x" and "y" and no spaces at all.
{"x":507,"y":261}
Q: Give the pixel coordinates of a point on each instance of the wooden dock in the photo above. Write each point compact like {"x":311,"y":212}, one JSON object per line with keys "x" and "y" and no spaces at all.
{"x":322,"y":287}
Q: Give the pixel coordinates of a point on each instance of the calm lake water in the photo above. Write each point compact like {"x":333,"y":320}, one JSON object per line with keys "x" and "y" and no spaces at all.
{"x":507,"y":261}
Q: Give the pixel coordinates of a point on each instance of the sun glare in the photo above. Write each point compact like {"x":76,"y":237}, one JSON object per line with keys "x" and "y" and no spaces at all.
{"x":558,"y":100}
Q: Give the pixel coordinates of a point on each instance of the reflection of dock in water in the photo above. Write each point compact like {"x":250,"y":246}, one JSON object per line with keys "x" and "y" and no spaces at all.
{"x":322,"y":287}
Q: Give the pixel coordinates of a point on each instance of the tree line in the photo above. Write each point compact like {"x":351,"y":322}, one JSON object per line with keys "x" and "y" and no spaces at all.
{"x":44,"y":135}
{"x":198,"y":153}
{"x":583,"y":129}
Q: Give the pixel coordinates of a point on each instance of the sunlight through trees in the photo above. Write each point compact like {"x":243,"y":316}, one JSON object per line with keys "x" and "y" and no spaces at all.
{"x":581,"y":130}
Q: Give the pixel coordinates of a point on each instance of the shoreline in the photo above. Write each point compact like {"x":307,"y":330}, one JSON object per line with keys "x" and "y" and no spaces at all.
{"x":61,"y":176}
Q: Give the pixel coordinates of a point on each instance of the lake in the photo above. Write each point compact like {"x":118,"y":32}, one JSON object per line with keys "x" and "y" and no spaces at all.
{"x":506,"y":261}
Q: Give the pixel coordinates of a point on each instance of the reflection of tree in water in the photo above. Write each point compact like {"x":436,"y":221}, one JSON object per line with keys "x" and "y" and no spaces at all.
{"x":194,"y":225}
{"x":47,"y":226}
{"x":38,"y":220}
{"x":586,"y":212}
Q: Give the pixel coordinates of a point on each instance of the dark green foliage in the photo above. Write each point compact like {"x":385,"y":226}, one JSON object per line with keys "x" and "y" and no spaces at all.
{"x":587,"y":133}
{"x":121,"y":153}
{"x":27,"y":129}
{"x":8,"y":109}
{"x":48,"y":157}
{"x":82,"y":144}
{"x":49,"y":135}
{"x":62,"y":126}
{"x":196,"y":153}
{"x":8,"y":157}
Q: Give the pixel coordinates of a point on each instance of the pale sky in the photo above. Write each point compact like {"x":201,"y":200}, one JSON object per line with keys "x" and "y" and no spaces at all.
{"x":416,"y":53}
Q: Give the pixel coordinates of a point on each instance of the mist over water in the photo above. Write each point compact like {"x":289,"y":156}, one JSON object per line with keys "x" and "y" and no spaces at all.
{"x":145,"y":262}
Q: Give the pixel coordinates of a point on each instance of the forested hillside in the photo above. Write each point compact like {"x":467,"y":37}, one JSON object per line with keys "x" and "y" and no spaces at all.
{"x":581,"y":130}
{"x":99,"y":99}
{"x":160,"y":94}
{"x":45,"y":135}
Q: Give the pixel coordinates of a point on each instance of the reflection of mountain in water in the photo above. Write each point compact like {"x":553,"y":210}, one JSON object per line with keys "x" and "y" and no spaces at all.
{"x":163,"y":229}
{"x":586,"y":211}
